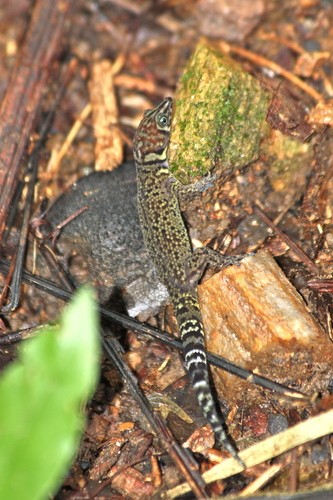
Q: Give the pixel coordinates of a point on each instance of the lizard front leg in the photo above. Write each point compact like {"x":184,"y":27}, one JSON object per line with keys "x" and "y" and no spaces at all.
{"x":205,"y":256}
{"x":188,"y":192}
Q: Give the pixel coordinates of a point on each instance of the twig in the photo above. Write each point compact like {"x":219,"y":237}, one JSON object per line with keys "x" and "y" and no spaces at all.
{"x":262,"y":61}
{"x":56,"y":158}
{"x":142,"y":328}
{"x":25,"y":91}
{"x":298,"y":49}
{"x":17,"y":336}
{"x":323,"y":285}
{"x":179,"y":455}
{"x":262,"y":480}
{"x":56,"y":231}
{"x":94,"y":494}
{"x":13,"y":282}
{"x":16,"y":278}
{"x":302,"y":433}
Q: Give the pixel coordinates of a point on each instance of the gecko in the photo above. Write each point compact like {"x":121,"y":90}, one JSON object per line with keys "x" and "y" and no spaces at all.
{"x":179,"y":267}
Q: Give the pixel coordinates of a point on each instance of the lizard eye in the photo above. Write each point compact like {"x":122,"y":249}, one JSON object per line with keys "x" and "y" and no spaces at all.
{"x":162,"y":120}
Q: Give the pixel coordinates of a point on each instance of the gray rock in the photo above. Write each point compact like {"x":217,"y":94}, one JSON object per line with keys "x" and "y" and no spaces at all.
{"x":109,"y":238}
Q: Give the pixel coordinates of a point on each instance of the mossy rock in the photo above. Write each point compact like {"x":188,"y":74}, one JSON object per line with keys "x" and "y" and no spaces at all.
{"x":290,"y":162}
{"x":219,"y":119}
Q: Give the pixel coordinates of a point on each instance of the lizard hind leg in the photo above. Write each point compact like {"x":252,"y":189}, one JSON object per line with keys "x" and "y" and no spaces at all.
{"x":204,"y":256}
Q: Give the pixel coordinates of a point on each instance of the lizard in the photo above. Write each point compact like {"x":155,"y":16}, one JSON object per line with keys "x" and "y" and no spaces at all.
{"x":179,"y":267}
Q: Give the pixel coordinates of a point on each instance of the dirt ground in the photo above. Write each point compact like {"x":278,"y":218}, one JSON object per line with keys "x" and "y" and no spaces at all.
{"x":113,"y":60}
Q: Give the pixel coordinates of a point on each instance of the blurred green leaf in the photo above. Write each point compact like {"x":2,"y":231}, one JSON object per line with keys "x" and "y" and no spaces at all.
{"x":42,"y":396}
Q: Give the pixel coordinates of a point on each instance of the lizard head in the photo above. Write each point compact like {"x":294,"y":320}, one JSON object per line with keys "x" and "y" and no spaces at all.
{"x":152,"y":137}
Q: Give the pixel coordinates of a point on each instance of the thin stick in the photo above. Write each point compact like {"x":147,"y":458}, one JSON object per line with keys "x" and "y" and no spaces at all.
{"x":56,"y":159}
{"x":298,"y":49}
{"x":180,"y":456}
{"x":323,"y":285}
{"x":262,"y":61}
{"x":25,"y":90}
{"x":302,"y":433}
{"x":262,"y":480}
{"x":143,"y":328}
{"x":16,"y":279}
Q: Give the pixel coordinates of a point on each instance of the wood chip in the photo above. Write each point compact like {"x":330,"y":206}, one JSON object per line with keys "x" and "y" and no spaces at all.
{"x":322,"y":114}
{"x":109,"y":142}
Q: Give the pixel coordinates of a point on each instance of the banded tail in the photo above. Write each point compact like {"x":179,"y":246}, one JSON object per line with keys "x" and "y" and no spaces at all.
{"x":192,"y":336}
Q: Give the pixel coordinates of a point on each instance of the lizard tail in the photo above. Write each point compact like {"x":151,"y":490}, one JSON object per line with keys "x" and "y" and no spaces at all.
{"x":193,"y":340}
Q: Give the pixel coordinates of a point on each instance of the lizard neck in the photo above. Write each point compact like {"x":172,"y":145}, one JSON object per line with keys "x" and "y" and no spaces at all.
{"x":152,"y":161}
{"x":152,"y":169}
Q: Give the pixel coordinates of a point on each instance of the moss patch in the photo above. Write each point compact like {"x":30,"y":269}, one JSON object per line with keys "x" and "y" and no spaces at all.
{"x":219,"y":118}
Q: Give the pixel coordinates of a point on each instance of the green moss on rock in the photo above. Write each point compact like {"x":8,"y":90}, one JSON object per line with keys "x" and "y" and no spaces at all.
{"x":219,"y":118}
{"x":290,"y":162}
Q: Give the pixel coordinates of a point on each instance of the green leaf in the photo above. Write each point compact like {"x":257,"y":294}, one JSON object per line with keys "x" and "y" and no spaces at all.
{"x":42,"y":396}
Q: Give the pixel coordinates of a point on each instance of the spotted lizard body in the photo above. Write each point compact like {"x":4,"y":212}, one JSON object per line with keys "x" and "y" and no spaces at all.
{"x":167,"y":240}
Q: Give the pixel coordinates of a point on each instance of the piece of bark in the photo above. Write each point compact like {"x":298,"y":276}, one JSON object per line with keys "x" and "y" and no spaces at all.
{"x":109,"y":142}
{"x":254,"y":317}
{"x":322,"y":114}
{"x":25,"y":91}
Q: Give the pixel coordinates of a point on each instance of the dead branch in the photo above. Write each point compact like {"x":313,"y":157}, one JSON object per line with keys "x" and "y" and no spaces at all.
{"x":25,"y":90}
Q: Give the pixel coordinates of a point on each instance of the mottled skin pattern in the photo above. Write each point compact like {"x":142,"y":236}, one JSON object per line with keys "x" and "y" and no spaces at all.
{"x":168,"y":243}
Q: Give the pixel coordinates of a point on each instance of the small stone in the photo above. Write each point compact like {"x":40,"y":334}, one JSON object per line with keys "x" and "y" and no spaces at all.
{"x":319,"y":453}
{"x":277,"y":423}
{"x":85,"y":464}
